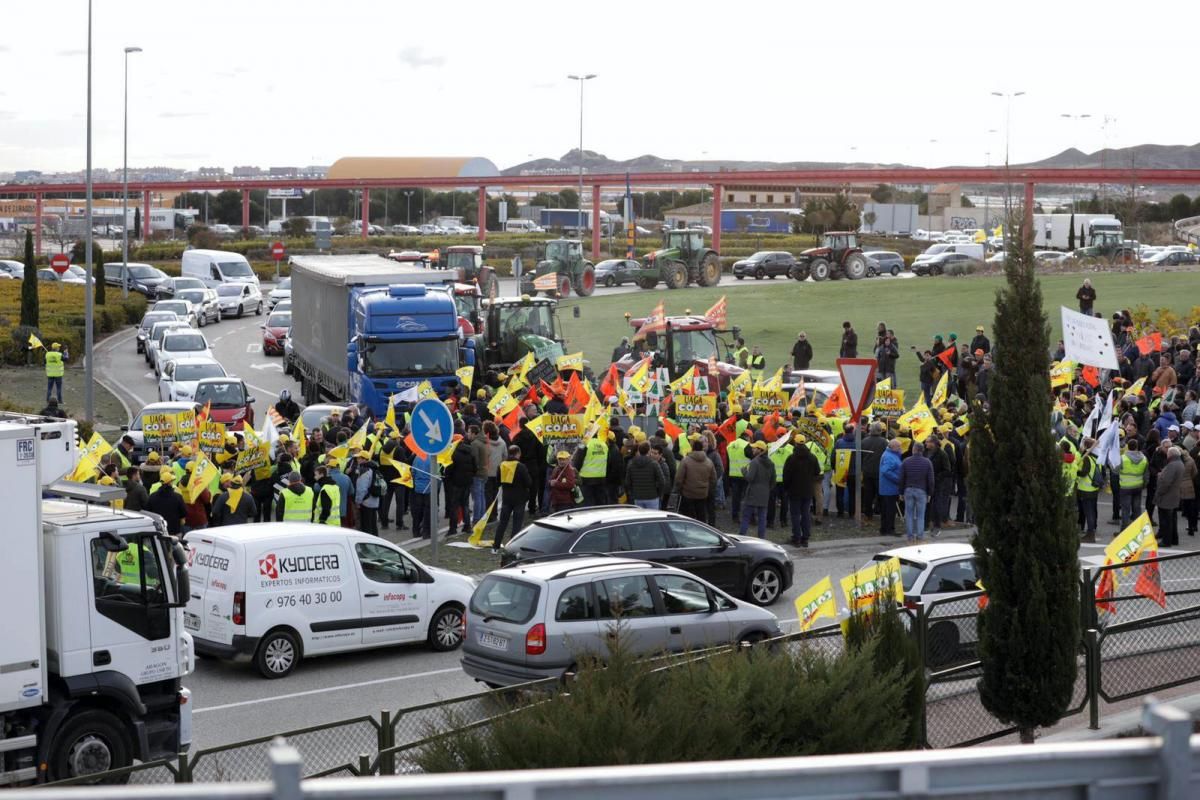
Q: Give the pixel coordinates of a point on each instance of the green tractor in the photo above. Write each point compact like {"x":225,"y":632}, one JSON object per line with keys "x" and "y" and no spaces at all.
{"x":563,"y":268}
{"x":1109,"y":246}
{"x":682,"y":260}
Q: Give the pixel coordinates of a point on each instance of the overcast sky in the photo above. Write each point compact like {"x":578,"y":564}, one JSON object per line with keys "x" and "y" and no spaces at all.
{"x":307,"y":81}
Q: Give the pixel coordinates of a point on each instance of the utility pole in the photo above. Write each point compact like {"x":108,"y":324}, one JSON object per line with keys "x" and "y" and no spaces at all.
{"x":89,"y":398}
{"x":581,"y":79}
{"x":125,"y":182}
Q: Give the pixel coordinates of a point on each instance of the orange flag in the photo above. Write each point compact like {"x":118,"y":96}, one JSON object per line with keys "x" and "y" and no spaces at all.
{"x":1150,"y":343}
{"x":728,"y":429}
{"x":836,"y":401}
{"x":411,"y":444}
{"x":718,"y":315}
{"x":944,"y":357}
{"x":1091,"y":375}
{"x":673,"y":430}
{"x":577,"y":397}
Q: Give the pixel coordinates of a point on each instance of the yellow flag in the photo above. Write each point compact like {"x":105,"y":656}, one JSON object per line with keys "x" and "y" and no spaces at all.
{"x":425,"y":390}
{"x":476,"y":538}
{"x":965,"y":428}
{"x":815,"y":603}
{"x":405,"y":476}
{"x":35,"y":342}
{"x":873,"y":583}
{"x":683,"y":380}
{"x":340,"y":453}
{"x":1135,"y":388}
{"x":1133,"y":542}
{"x":300,"y":436}
{"x":85,"y":470}
{"x":389,"y":419}
{"x":919,"y":420}
{"x":841,"y":469}
{"x":537,"y":426}
{"x":97,"y":446}
{"x":571,"y":361}
{"x":638,"y":378}
{"x":942,"y":389}
{"x":203,"y":473}
{"x":503,"y":403}
{"x":466,"y":376}
{"x":358,"y":441}
{"x":526,"y":364}
{"x":447,"y":455}
{"x":775,"y":382}
{"x":1061,"y":373}
{"x":740,"y":384}
{"x":251,"y":437}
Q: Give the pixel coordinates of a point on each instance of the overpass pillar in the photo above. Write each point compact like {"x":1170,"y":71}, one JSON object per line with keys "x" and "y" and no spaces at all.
{"x":245,"y":209}
{"x":37,"y":231}
{"x":717,"y":190}
{"x":481,"y":214}
{"x":146,"y":215}
{"x":595,"y":222}
{"x":366,"y":212}
{"x":1027,"y":215}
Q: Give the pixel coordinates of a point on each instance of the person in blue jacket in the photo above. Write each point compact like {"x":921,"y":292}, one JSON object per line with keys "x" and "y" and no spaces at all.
{"x":889,"y":486}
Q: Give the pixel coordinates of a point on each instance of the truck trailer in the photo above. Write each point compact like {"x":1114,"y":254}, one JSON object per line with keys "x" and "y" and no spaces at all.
{"x":365,"y":328}
{"x":1053,"y":231}
{"x":94,"y":646}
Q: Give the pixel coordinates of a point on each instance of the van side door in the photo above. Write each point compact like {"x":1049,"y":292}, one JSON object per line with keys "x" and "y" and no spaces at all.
{"x":393,"y":599}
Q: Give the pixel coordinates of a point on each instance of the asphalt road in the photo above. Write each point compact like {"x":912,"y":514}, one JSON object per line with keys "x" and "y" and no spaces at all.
{"x":508,"y":286}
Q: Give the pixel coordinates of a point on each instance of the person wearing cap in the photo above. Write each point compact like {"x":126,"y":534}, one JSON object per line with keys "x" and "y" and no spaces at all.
{"x":150,"y":468}
{"x":980,"y":342}
{"x":345,"y":490}
{"x":54,"y":371}
{"x":800,"y":472}
{"x":562,"y":481}
{"x":233,"y":506}
{"x":1087,"y":489}
{"x":739,"y":455}
{"x":1131,"y":480}
{"x":166,"y":502}
{"x":760,"y":478}
{"x":802,"y":351}
{"x":197,"y":509}
{"x":294,"y":502}
{"x":327,"y":504}
{"x":591,"y":462}
{"x":368,"y":491}
{"x":696,"y":481}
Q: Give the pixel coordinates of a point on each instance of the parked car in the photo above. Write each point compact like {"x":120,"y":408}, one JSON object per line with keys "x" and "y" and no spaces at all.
{"x":405,"y":230}
{"x":746,"y":567}
{"x":170,"y":286}
{"x":80,"y":274}
{"x":180,"y":377}
{"x":275,"y":332}
{"x":880,"y":262}
{"x":616,"y":271}
{"x":135,"y":430}
{"x":181,"y":308}
{"x":50,"y":276}
{"x":282,"y":291}
{"x":764,"y":264}
{"x":180,"y":344}
{"x":204,"y":304}
{"x":148,"y":320}
{"x":1050,"y":257}
{"x":238,"y":298}
{"x":231,"y":402}
{"x":287,"y":352}
{"x":141,"y":278}
{"x":938,"y":264}
{"x":157,"y":331}
{"x":536,"y":620}
{"x":223,"y":231}
{"x":13,"y":269}
{"x":997,"y":258}
{"x":1166,"y":258}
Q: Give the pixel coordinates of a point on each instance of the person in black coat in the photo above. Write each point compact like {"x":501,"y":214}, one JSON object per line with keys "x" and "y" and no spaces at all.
{"x":167,"y":503}
{"x":514,"y":494}
{"x":802,"y":352}
{"x":533,"y":456}
{"x":800,"y":472}
{"x":458,"y":478}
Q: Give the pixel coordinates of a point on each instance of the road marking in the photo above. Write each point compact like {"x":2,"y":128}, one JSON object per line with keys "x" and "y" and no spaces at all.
{"x":312,"y":692}
{"x":267,"y":366}
{"x":254,"y":347}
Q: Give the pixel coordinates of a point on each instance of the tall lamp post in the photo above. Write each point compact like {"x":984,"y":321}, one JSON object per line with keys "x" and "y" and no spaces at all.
{"x":1008,"y":98}
{"x":125,"y":182}
{"x":1076,"y":118}
{"x":581,"y":79}
{"x":89,"y":399}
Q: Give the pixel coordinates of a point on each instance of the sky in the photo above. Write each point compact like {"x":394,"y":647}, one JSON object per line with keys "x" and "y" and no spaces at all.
{"x":223,"y":83}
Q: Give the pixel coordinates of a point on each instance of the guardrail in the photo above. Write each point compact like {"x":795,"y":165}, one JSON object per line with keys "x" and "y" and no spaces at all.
{"x":1183,"y":230}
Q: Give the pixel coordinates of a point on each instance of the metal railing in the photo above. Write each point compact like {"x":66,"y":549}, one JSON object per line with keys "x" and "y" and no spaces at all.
{"x":1186,"y":230}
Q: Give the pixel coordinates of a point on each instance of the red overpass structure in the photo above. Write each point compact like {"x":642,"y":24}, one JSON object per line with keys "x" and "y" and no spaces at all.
{"x":1014,"y":176}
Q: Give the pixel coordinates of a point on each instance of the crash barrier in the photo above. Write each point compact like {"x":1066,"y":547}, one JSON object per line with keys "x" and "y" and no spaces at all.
{"x":1188,"y":230}
{"x":1132,"y":646}
{"x":1160,"y":765}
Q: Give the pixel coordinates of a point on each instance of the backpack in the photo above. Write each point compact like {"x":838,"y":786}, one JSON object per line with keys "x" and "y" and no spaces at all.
{"x":378,"y":484}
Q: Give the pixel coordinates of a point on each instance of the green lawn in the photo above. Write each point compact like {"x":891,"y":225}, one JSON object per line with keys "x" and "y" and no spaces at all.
{"x":771,"y":313}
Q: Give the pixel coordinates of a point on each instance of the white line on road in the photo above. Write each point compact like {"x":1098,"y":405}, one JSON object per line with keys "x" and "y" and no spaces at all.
{"x":311,"y":692}
{"x":254,"y":347}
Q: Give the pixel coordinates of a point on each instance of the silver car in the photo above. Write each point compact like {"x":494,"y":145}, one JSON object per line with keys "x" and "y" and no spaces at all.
{"x":204,"y":304}
{"x":538,"y":618}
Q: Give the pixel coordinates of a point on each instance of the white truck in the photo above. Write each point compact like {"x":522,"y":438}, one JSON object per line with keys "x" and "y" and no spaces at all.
{"x":1053,"y":231}
{"x":94,"y":647}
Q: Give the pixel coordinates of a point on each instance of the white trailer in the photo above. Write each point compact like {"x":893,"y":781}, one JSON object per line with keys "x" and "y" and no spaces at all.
{"x":94,"y":647}
{"x":1053,"y":231}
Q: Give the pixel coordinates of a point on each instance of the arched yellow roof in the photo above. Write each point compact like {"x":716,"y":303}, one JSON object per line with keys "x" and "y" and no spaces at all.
{"x":403,"y":167}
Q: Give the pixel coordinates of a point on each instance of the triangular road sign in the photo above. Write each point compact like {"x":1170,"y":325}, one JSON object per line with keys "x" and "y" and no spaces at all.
{"x":858,"y":382}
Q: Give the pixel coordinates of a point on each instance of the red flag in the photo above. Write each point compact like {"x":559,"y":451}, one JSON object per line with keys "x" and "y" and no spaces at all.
{"x":836,"y":400}
{"x":673,"y":430}
{"x":611,"y":382}
{"x":944,"y":357}
{"x":577,"y":397}
{"x":728,"y":429}
{"x":657,"y":321}
{"x":411,"y":444}
{"x":1150,"y":343}
{"x":205,"y":413}
{"x":718,"y":315}
{"x":1091,"y":375}
{"x":512,"y":421}
{"x":1104,"y":591}
{"x":1149,"y":583}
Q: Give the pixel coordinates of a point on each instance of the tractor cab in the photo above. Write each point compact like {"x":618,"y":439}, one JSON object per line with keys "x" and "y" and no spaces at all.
{"x":561,"y":269}
{"x":684,"y":240}
{"x":839,"y":242}
{"x":564,"y":250}
{"x":516,"y":326}
{"x":466,"y":261}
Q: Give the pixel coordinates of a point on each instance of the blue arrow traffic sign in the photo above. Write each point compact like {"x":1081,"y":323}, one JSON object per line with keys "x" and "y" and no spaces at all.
{"x":432,"y":426}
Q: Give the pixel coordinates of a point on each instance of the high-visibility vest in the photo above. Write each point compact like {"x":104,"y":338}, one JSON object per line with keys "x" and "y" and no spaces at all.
{"x":1070,"y":445}
{"x":298,"y":507}
{"x":130,"y":562}
{"x":1085,"y":479}
{"x":1133,"y":475}
{"x":777,"y":458}
{"x":820,"y":454}
{"x":685,"y":446}
{"x":122,"y":460}
{"x":757,"y":364}
{"x":54,"y":364}
{"x":334,"y":494}
{"x":738,"y":460}
{"x":595,"y":461}
{"x":1069,"y":470}
{"x":741,"y":357}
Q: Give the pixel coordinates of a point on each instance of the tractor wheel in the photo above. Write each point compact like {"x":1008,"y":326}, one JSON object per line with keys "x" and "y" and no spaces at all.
{"x":710,"y":270}
{"x":647,"y":283}
{"x":855,"y":266}
{"x":799,"y":272}
{"x":564,"y":285}
{"x":675,"y":275}
{"x":819,"y":268}
{"x":585,"y":284}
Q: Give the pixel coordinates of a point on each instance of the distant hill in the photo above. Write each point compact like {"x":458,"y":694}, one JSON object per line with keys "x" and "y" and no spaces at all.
{"x":1142,"y":156}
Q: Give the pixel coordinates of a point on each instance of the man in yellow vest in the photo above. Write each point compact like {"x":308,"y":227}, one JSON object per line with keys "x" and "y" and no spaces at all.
{"x":54,"y":371}
{"x":592,"y":463}
{"x":1131,"y":481}
{"x":739,"y":456}
{"x":779,"y":497}
{"x":327,"y":508}
{"x":295,"y":502}
{"x":741,"y":356}
{"x":758,"y":363}
{"x":1087,"y":490}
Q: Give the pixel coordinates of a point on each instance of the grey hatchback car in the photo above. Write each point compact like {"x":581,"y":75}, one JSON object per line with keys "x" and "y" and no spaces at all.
{"x":536,"y":619}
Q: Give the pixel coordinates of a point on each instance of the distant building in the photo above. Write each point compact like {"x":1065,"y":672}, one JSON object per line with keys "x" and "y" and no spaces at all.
{"x":943,"y":196}
{"x":27,"y":176}
{"x":786,"y":196}
{"x":283,"y":172}
{"x":247,"y":172}
{"x":210,"y":173}
{"x":315,"y":171}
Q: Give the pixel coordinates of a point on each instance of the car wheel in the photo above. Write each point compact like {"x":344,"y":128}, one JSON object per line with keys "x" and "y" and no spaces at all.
{"x":277,"y":655}
{"x":752,"y":638}
{"x":609,"y":282}
{"x":895,"y":271}
{"x":241,"y":311}
{"x":759,"y":274}
{"x":203,"y":318}
{"x":740,"y":277}
{"x":765,"y":585}
{"x":446,"y":630}
{"x":93,"y":742}
{"x":258,"y":311}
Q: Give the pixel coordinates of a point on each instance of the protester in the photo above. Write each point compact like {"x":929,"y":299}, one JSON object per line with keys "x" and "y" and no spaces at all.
{"x":800,"y":472}
{"x":562,"y":483}
{"x":696,"y":481}
{"x":916,"y":485}
{"x":760,"y":477}
{"x":889,"y":487}
{"x":644,"y":481}
{"x":515,"y":484}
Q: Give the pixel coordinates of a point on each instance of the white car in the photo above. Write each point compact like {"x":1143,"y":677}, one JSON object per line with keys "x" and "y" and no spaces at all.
{"x":203,"y":303}
{"x":281,"y":591}
{"x":224,"y":231}
{"x":282,"y":291}
{"x":1050,"y":256}
{"x":157,"y":331}
{"x":182,"y":309}
{"x":237,"y":299}
{"x":180,"y":376}
{"x":135,"y":429}
{"x":180,"y":344}
{"x":405,"y":230}
{"x":13,"y":269}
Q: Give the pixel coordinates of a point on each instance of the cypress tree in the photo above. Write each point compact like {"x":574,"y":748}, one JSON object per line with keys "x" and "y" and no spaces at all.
{"x":98,"y":273}
{"x":1026,"y":547}
{"x":1071,"y":233}
{"x":137,"y":224}
{"x":29,"y":287}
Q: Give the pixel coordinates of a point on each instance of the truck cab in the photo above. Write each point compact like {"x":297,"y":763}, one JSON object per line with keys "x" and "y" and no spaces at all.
{"x":94,"y":661}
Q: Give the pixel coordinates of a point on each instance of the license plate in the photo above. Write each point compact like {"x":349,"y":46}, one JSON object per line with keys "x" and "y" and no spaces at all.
{"x":191,"y":621}
{"x":492,"y":641}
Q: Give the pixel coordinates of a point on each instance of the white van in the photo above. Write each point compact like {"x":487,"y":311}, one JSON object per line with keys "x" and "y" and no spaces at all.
{"x":215,"y":267}
{"x":281,"y":591}
{"x":522,"y":226}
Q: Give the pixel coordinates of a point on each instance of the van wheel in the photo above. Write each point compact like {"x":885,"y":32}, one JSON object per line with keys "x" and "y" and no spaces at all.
{"x":446,"y":629}
{"x":277,"y":655}
{"x":91,"y":743}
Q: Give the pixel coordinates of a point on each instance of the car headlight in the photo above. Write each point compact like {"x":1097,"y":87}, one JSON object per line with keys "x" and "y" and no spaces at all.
{"x":183,"y":394}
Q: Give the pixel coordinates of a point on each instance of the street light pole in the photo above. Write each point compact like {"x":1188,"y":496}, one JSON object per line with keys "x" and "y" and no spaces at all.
{"x":581,"y":79}
{"x":1076,"y":118}
{"x":125,"y":182}
{"x":1008,"y":98}
{"x":89,"y":399}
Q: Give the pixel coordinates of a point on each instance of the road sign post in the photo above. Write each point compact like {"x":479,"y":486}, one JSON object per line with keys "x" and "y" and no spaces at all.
{"x":433,"y":432}
{"x":277,"y":252}
{"x":60,"y":263}
{"x":858,"y":386}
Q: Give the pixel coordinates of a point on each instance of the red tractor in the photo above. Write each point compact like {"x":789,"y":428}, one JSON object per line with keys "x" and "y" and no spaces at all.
{"x":838,"y":256}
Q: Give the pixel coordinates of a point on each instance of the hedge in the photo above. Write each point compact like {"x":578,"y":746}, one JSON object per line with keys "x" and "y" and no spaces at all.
{"x":61,"y":319}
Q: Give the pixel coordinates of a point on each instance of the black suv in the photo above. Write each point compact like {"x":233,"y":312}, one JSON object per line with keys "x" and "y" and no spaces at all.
{"x":754,"y":569}
{"x":764,"y":264}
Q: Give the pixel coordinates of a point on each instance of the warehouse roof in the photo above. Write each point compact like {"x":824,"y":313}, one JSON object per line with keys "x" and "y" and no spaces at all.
{"x":410,"y":167}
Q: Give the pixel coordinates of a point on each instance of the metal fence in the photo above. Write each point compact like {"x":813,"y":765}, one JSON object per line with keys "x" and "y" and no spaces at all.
{"x":1133,"y":646}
